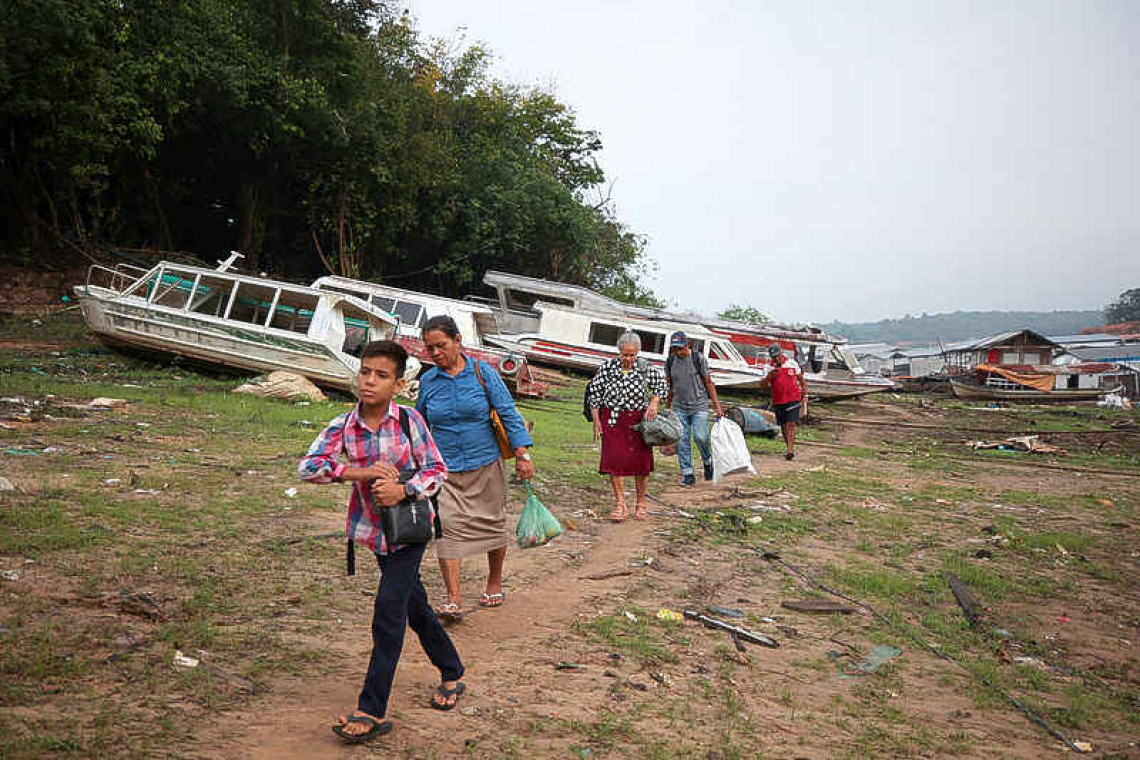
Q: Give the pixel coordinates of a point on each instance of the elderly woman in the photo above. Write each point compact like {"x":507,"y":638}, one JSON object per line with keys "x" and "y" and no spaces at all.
{"x":621,"y":393}
{"x":456,"y":397}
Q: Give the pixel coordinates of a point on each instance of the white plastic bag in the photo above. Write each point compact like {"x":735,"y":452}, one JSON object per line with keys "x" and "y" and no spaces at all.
{"x":729,"y":450}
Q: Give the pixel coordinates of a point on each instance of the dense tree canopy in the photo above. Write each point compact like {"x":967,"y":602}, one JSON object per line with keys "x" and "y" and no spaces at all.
{"x":1126,"y":307}
{"x":310,"y":135}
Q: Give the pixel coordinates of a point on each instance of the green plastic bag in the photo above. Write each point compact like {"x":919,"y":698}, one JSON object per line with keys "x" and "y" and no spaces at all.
{"x":536,"y":525}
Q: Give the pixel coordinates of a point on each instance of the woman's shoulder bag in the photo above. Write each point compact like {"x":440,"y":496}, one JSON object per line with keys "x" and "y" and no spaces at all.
{"x":505,"y":449}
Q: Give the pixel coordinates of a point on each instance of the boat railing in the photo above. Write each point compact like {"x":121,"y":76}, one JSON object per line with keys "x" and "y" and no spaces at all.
{"x":117,"y":279}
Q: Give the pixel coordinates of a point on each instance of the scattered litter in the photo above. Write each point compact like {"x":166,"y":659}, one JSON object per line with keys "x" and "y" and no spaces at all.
{"x":944,"y":502}
{"x":1022,"y":443}
{"x":568,"y":666}
{"x":142,"y":424}
{"x":647,"y":562}
{"x":21,"y":452}
{"x":762,"y":507}
{"x":879,"y":656}
{"x":1032,"y":661}
{"x":817,"y":468}
{"x":1114,"y":401}
{"x":52,"y":450}
{"x":984,"y":554}
{"x":1003,"y":633}
{"x":6,"y":485}
{"x":606,"y":576}
{"x":819,"y":605}
{"x":631,"y":616}
{"x":683,"y":513}
{"x":970,"y":605}
{"x":183,"y":661}
{"x":148,"y":491}
{"x":661,"y":678}
{"x":755,"y":519}
{"x":729,"y":612}
{"x":1083,"y":746}
{"x":112,"y":481}
{"x":767,"y":620}
{"x":291,"y":492}
{"x":1063,"y":619}
{"x":284,"y":385}
{"x":874,"y":504}
{"x":670,"y":615}
{"x":1106,"y":502}
{"x":108,"y":403}
{"x":742,"y":633}
{"x":11,"y":575}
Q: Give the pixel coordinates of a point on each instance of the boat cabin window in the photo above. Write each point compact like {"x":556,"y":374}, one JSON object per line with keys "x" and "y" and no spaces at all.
{"x":359,"y":329}
{"x":294,"y":311}
{"x":211,"y":297}
{"x":718,"y":351}
{"x":652,"y":342}
{"x":409,"y":312}
{"x":605,"y":335}
{"x":751,"y":353}
{"x":697,"y":345}
{"x":173,"y":290}
{"x":520,"y":299}
{"x":252,"y":303}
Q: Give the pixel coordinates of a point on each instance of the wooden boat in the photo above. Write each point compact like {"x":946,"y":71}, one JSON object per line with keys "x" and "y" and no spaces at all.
{"x":473,"y":320}
{"x":971,"y":389}
{"x":232,"y":321}
{"x":737,"y":352}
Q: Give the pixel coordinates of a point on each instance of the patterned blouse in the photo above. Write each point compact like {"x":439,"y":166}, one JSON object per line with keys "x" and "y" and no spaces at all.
{"x":619,"y":391}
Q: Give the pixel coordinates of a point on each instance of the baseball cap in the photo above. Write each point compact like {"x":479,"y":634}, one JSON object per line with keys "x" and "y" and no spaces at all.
{"x":678,"y":340}
{"x":774,"y":350}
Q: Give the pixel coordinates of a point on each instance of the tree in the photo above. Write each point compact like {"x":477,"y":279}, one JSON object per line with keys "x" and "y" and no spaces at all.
{"x":749,"y":315}
{"x":1126,"y":307}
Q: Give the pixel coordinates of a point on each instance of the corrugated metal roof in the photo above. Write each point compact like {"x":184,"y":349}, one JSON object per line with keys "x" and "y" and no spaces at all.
{"x":995,"y":340}
{"x":1122,"y":353}
{"x":1087,"y":338}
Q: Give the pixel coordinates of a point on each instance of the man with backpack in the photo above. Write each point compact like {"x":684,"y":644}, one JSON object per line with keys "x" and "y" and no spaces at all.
{"x":690,"y":390}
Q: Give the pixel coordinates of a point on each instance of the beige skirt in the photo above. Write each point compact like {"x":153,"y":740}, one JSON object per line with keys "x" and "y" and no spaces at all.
{"x":473,"y":510}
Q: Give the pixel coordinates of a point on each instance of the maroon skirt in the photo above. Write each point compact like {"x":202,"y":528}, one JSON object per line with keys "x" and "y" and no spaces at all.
{"x":623,"y":451}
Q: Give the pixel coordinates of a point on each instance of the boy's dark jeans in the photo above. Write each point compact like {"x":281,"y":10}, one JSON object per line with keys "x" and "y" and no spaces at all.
{"x":401,"y":602}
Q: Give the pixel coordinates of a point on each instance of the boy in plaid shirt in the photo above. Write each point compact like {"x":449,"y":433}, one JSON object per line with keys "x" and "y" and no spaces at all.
{"x":377,"y":450}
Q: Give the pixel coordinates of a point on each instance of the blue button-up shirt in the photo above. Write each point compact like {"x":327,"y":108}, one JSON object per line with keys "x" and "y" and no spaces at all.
{"x":456,"y":409}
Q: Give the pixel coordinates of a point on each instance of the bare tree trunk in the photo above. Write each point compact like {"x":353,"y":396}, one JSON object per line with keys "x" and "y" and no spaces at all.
{"x":252,"y":225}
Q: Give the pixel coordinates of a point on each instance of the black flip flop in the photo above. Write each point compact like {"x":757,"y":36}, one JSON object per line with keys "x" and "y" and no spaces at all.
{"x":379,"y":728}
{"x":445,"y":693}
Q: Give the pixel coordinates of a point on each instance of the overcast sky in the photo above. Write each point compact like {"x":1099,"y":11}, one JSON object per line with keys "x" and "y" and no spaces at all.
{"x":851,"y":160}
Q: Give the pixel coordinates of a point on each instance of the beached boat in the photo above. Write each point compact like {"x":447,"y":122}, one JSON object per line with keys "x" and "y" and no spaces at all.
{"x":583,"y":340}
{"x":473,"y":320}
{"x":232,"y":321}
{"x":1044,"y":383}
{"x":967,"y":389}
{"x":737,"y":352}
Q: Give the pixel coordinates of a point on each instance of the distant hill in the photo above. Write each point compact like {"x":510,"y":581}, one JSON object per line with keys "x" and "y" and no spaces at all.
{"x":961,"y":325}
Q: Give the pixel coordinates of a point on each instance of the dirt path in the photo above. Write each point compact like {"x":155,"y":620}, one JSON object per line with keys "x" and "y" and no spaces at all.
{"x":501,"y":649}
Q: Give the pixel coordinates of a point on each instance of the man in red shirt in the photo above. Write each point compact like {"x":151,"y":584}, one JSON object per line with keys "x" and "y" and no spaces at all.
{"x":789,"y":392}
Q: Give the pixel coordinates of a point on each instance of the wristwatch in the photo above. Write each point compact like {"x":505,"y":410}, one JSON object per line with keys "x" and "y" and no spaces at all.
{"x":525,"y":456}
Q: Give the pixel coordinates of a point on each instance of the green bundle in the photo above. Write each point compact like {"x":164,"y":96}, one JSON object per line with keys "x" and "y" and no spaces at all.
{"x":536,"y":525}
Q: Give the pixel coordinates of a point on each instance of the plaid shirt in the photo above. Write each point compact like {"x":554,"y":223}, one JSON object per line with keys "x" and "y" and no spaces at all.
{"x":349,"y":434}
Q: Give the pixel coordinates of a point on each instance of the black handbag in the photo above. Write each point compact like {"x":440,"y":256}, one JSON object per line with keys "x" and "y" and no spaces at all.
{"x":410,"y":521}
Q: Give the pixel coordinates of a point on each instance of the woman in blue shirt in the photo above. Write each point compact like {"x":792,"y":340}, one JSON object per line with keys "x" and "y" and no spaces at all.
{"x":472,"y":501}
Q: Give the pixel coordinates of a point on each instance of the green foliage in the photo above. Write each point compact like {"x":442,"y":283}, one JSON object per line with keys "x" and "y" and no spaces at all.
{"x":1126,"y":307}
{"x":747,"y":314}
{"x":962,"y":325}
{"x":312,"y":136}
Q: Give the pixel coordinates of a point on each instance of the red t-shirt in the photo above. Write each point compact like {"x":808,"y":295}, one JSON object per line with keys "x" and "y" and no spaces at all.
{"x":785,"y":386}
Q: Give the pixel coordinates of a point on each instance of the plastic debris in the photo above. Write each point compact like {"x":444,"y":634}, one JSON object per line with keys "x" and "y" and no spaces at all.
{"x":112,"y":481}
{"x":183,"y":661}
{"x":879,"y":656}
{"x":670,"y":615}
{"x":108,"y":403}
{"x":11,"y":575}
{"x":733,"y":630}
{"x":1083,"y":746}
{"x":632,"y":618}
{"x":291,"y":492}
{"x":6,"y":485}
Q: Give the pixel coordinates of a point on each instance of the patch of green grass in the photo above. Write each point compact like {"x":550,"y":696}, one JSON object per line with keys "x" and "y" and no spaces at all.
{"x":644,"y":637}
